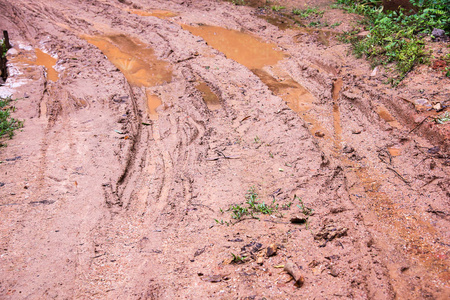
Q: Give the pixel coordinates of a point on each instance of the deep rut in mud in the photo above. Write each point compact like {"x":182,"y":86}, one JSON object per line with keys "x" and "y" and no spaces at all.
{"x":146,"y":121}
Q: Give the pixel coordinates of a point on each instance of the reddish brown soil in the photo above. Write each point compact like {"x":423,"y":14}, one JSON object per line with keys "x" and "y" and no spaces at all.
{"x":106,"y":194}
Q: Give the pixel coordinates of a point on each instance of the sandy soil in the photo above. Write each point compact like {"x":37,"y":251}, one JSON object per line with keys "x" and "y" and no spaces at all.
{"x":155,"y":120}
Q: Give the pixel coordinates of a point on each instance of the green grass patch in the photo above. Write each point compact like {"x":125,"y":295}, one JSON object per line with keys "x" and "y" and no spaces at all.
{"x":396,"y":36}
{"x":252,"y":208}
{"x":277,"y":7}
{"x":308,"y":12}
{"x":3,"y":48}
{"x":7,"y":124}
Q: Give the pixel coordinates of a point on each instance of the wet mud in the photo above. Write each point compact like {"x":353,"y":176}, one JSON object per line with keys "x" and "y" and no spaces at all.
{"x":158,"y":123}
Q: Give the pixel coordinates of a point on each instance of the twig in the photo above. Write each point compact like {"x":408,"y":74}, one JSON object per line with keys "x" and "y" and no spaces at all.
{"x":388,"y":154}
{"x":432,"y":179}
{"x":223,"y":156}
{"x":400,"y":176}
{"x":418,"y":125}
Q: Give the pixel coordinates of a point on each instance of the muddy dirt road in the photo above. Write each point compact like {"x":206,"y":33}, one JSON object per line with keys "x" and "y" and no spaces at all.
{"x":146,"y":120}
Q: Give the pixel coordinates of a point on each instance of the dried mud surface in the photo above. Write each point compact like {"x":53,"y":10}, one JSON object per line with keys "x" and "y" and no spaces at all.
{"x":151,"y":131}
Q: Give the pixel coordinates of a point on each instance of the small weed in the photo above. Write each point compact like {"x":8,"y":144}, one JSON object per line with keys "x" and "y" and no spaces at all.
{"x":308,"y":12}
{"x":277,"y":7}
{"x":443,"y":118}
{"x":305,"y":210}
{"x":222,"y":222}
{"x":335,"y":24}
{"x":252,"y":208}
{"x":257,"y":140}
{"x":7,"y":124}
{"x":270,"y":154}
{"x":286,"y":206}
{"x":238,"y":2}
{"x":317,"y":24}
{"x":3,"y":48}
{"x":238,"y":259}
{"x":238,"y":211}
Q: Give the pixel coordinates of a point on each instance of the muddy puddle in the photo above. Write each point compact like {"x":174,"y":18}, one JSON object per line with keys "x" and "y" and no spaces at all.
{"x":386,"y":116}
{"x":297,"y":97}
{"x":210,"y":98}
{"x":241,"y":47}
{"x":153,"y":102}
{"x":42,"y":59}
{"x":255,"y":55}
{"x":395,"y":151}
{"x":136,"y":60}
{"x":161,"y":14}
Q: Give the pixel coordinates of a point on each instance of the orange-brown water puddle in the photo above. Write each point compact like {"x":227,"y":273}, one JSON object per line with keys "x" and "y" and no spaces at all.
{"x":162,"y":14}
{"x":255,"y":54}
{"x":244,"y":48}
{"x":45,"y":60}
{"x":136,"y":60}
{"x":153,"y":102}
{"x":386,"y":115}
{"x":395,"y":151}
{"x":210,"y":98}
{"x":297,"y":97}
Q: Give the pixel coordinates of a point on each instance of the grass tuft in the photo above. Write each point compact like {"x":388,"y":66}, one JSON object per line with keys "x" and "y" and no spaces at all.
{"x":7,"y":124}
{"x":396,"y":36}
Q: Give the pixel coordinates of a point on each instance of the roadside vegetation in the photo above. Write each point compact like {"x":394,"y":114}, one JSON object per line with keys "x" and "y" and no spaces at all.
{"x":7,"y":124}
{"x":396,"y":36}
{"x":3,"y":48}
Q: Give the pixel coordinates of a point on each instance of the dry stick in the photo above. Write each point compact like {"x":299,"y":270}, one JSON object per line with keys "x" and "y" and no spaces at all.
{"x":418,"y":125}
{"x":222,"y":156}
{"x":401,"y":177}
{"x":432,"y":179}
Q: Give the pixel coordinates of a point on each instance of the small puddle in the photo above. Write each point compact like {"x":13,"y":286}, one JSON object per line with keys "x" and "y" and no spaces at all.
{"x":153,"y":102}
{"x":136,"y":60}
{"x":161,"y":14}
{"x":210,"y":98}
{"x":280,"y":22}
{"x":386,"y":115}
{"x":45,"y":60}
{"x":243,"y":48}
{"x":395,"y":151}
{"x":297,"y":97}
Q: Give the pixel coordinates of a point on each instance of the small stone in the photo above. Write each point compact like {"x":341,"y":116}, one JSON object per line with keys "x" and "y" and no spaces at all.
{"x":12,"y":51}
{"x":437,"y":106}
{"x":298,"y":220}
{"x":260,"y":260}
{"x":348,"y":149}
{"x":272,"y":250}
{"x":334,"y":272}
{"x":374,"y":72}
{"x":438,"y":33}
{"x":319,"y":134}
